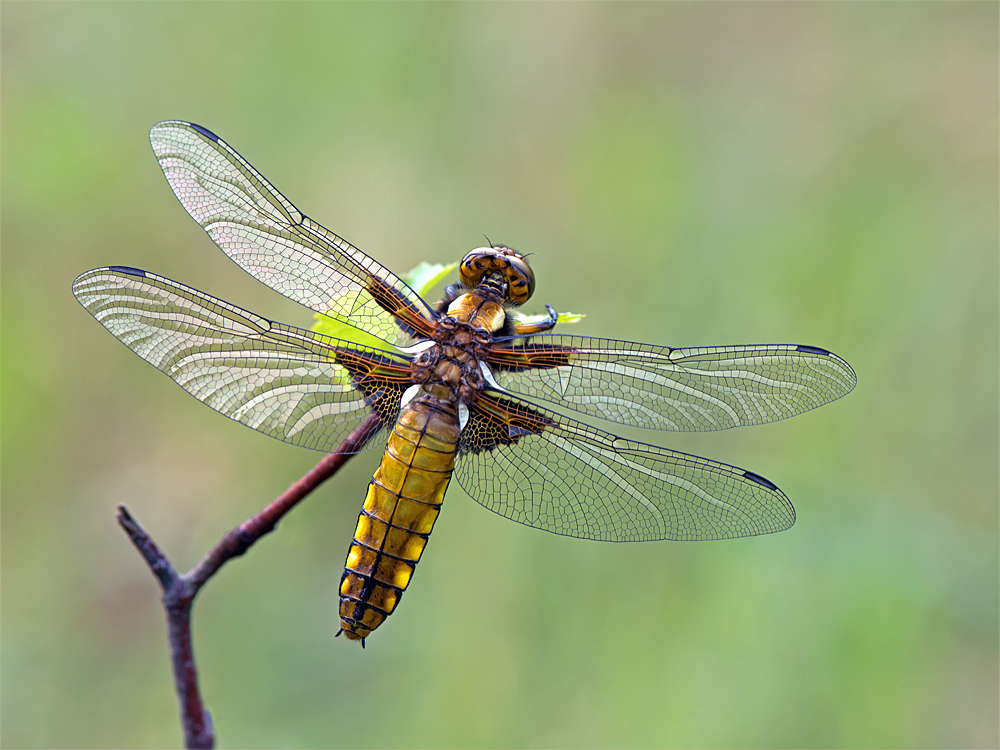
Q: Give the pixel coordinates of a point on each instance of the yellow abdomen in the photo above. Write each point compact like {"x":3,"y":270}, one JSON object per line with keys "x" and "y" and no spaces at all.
{"x":403,"y":501}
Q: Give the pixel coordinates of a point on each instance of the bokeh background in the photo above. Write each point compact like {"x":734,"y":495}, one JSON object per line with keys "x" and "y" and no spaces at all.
{"x":684,"y":174}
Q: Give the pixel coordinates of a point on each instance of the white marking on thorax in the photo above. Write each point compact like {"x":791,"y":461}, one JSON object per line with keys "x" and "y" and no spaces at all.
{"x":420,"y":346}
{"x":488,"y":375}
{"x":463,"y":415}
{"x":409,"y":394}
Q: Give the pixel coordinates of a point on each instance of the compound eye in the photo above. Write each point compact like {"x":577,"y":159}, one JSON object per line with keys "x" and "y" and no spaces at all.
{"x":520,"y":280}
{"x":515,"y":269}
{"x":475,"y":265}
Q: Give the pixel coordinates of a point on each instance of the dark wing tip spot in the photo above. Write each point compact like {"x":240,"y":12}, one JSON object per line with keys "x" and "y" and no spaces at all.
{"x":129,"y":270}
{"x":812,"y":350}
{"x":205,"y":132}
{"x":760,"y":480}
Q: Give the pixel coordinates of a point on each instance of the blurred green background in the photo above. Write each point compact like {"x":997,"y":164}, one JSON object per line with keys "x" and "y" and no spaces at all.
{"x":685,"y":174}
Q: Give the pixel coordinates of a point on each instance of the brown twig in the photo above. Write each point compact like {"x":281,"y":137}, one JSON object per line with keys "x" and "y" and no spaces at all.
{"x":179,"y":591}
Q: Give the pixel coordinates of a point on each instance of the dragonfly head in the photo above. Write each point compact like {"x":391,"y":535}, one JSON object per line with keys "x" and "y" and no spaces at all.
{"x":515,"y":270}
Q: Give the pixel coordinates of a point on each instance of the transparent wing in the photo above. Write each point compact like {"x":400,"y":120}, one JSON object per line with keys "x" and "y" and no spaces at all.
{"x":656,"y":387}
{"x":560,"y":475}
{"x":294,"y":385}
{"x":268,"y":237}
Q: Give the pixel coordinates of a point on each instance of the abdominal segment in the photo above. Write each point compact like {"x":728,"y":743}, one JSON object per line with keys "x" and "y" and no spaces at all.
{"x":403,"y":502}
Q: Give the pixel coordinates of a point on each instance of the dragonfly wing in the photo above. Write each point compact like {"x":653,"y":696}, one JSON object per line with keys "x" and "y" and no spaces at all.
{"x":294,"y":385}
{"x":656,"y":387}
{"x":566,"y":477}
{"x":268,"y":237}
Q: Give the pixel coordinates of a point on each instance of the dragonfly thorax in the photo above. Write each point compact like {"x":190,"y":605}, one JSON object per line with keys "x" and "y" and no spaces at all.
{"x":479,"y":312}
{"x":449,"y":367}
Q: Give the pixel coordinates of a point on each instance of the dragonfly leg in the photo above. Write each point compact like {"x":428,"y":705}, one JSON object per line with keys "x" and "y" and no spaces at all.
{"x":544,"y":325}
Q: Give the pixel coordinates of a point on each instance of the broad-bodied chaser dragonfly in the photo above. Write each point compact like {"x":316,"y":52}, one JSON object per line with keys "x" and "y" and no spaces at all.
{"x":454,"y":386}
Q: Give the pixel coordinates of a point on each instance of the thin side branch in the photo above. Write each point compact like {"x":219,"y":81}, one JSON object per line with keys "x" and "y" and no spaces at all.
{"x":179,"y":591}
{"x":155,"y":559}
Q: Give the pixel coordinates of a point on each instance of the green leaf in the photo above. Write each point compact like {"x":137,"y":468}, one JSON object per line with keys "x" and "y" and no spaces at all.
{"x":425,"y":276}
{"x":339,"y":330}
{"x":422,"y":279}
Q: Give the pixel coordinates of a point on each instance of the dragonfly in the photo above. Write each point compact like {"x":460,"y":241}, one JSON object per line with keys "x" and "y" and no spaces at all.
{"x":464,"y":388}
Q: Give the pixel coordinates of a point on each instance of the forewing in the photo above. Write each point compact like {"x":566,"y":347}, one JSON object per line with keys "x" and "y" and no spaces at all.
{"x":294,"y":385}
{"x":560,"y":475}
{"x":267,"y":236}
{"x":656,"y":387}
